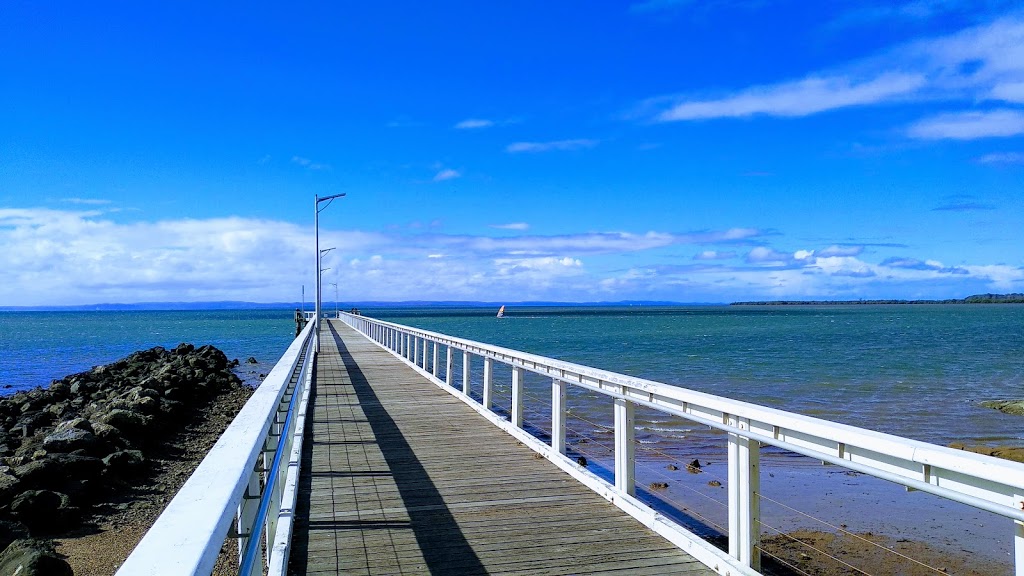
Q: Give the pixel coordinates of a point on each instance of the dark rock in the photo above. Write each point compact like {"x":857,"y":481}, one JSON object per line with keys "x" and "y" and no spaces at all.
{"x":53,"y":470}
{"x":9,"y":532}
{"x":658,"y":485}
{"x":9,"y":484}
{"x":33,"y":558}
{"x":582,"y":461}
{"x":693,"y":467}
{"x":183,"y":349}
{"x":714,"y":483}
{"x":69,"y":440}
{"x":43,"y":511}
{"x":672,"y":467}
{"x":125,"y":420}
{"x":252,"y":360}
{"x":1015,"y":407}
{"x":125,"y":463}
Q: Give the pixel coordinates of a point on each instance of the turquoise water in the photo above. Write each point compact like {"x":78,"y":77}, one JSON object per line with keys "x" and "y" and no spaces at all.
{"x":37,"y":347}
{"x":916,"y":371}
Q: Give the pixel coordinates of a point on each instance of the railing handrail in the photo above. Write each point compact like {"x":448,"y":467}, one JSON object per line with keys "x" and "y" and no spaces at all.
{"x":188,"y":535}
{"x":977,"y":480}
{"x":975,"y":465}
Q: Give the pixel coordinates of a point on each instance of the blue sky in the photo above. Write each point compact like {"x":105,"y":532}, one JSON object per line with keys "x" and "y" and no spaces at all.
{"x":574,"y":151}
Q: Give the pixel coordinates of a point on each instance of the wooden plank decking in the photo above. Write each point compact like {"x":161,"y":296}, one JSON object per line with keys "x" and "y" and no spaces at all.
{"x":400,"y":477}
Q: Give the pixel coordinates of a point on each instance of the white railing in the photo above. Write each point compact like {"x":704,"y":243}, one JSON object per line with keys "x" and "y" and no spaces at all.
{"x":984,"y":482}
{"x":244,"y":488}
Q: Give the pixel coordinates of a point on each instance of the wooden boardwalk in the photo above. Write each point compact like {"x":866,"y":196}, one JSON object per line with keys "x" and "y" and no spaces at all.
{"x":400,"y":477}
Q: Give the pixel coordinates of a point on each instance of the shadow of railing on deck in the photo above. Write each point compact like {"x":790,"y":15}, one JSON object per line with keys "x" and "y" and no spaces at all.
{"x":443,"y":546}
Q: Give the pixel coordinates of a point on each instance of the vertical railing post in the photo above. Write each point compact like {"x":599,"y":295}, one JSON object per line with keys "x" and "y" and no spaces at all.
{"x":488,"y":392}
{"x":558,"y":415}
{"x":426,"y":343}
{"x":744,"y":504}
{"x":465,"y":372}
{"x":625,"y":447}
{"x":449,"y":361}
{"x":415,"y":351}
{"x":518,"y":375}
{"x":433,"y":366}
{"x":1018,"y":539}
{"x":247,"y":510}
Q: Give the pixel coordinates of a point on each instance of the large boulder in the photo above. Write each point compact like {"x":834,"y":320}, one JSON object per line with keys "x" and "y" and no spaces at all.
{"x":43,"y":511}
{"x":33,"y":558}
{"x":69,"y":440}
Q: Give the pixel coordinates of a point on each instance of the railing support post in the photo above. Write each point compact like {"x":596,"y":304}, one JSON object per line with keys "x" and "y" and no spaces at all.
{"x":488,"y":393}
{"x":465,"y":372}
{"x":450,"y":358}
{"x":517,"y":396}
{"x":558,"y":388}
{"x":744,"y":503}
{"x":426,"y":343}
{"x":1018,"y":539}
{"x":433,"y":366}
{"x":625,"y":447}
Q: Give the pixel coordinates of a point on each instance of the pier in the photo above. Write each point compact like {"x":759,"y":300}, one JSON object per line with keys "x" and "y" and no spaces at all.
{"x":387,"y":452}
{"x":400,"y":477}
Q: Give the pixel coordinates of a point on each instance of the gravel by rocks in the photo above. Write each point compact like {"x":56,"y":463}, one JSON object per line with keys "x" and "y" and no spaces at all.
{"x":87,"y":464}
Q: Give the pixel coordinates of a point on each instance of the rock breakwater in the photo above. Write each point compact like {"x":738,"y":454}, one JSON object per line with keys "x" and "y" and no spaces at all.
{"x":71,"y":451}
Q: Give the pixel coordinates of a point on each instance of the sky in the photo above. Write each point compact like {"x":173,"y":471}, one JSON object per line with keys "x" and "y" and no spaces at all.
{"x":570,"y":151}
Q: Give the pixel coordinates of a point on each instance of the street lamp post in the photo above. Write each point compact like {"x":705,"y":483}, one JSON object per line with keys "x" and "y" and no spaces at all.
{"x":316,"y":231}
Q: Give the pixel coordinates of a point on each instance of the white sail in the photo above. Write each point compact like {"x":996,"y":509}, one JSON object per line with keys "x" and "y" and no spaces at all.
{"x":501,"y":312}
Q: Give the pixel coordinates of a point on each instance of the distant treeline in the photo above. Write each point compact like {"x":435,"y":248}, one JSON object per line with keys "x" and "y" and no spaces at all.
{"x":1015,"y":298}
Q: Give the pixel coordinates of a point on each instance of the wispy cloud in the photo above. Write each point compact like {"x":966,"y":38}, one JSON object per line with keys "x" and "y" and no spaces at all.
{"x":978,"y":64}
{"x":1002,"y":158}
{"x":474,"y":123}
{"x":560,"y":145}
{"x":963,"y":207}
{"x":309,"y":164}
{"x":87,"y":201}
{"x":447,"y":174}
{"x":928,"y":265}
{"x":799,"y":98}
{"x":714,"y":255}
{"x":94,"y":259}
{"x":512,"y":226}
{"x":836,"y":250}
{"x":969,"y":125}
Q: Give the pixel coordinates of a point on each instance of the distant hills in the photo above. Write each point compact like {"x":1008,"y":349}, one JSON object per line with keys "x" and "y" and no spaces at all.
{"x":1014,"y":298}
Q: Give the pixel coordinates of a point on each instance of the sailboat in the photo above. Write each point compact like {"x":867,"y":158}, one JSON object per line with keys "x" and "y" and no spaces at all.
{"x":501,"y":311}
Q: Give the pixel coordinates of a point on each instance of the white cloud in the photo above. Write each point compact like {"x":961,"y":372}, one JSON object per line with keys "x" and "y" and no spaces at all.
{"x":840,"y":251}
{"x":309,"y":164}
{"x":714,"y":255}
{"x":561,"y":145}
{"x":512,"y":226}
{"x":764,"y":255}
{"x":1002,"y":158}
{"x":969,"y":125}
{"x":799,"y":98}
{"x":985,"y":62}
{"x":87,"y":201}
{"x":474,"y":123}
{"x":80,"y":257}
{"x":447,"y":174}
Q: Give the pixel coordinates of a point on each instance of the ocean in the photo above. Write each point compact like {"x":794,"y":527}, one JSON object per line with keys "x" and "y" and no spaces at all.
{"x":918,"y":371}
